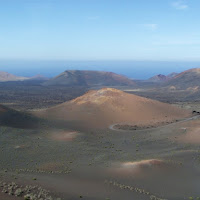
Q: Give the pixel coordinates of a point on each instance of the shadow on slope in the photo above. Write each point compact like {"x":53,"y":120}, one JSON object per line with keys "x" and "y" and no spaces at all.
{"x":16,"y":119}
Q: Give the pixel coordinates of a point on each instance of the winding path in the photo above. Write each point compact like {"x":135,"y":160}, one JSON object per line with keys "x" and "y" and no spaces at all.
{"x":112,"y":126}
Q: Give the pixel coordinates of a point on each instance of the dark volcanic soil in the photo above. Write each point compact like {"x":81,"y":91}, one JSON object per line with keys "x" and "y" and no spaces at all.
{"x":116,"y":165}
{"x":74,"y":163}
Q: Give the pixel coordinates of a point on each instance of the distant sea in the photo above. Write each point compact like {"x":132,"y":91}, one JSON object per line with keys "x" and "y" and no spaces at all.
{"x":131,"y":69}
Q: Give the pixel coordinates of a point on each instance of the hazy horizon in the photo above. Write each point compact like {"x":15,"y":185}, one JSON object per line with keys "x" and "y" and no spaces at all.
{"x":131,"y":69}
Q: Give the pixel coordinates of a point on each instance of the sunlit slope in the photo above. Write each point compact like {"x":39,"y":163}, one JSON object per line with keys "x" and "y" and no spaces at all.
{"x":108,"y":106}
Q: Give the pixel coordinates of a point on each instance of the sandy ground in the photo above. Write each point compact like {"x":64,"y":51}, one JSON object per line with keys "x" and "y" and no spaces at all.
{"x":104,"y":164}
{"x":160,"y":163}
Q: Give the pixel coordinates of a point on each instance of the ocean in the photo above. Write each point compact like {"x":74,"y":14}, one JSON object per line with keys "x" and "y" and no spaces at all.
{"x":131,"y":69}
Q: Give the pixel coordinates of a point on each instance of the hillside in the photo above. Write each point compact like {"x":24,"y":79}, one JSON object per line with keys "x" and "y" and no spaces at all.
{"x":5,"y":76}
{"x":39,"y":78}
{"x":109,"y":106}
{"x":171,"y":75}
{"x":12,"y":118}
{"x":189,"y":79}
{"x":89,"y":78}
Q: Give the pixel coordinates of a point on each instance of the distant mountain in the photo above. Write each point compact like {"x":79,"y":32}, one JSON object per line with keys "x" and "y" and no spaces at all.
{"x":158,"y":78}
{"x":162,"y":78}
{"x":189,"y":79}
{"x":5,"y":76}
{"x":90,"y":78}
{"x":39,"y":78}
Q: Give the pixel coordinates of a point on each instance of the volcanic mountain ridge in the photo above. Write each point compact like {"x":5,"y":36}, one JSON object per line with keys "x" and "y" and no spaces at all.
{"x":90,"y":78}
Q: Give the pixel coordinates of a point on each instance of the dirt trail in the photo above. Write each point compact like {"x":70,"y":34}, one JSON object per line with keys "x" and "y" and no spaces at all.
{"x":112,"y":127}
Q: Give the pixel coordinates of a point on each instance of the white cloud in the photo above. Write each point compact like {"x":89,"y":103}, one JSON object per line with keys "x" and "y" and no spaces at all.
{"x":151,"y":27}
{"x":180,"y":5}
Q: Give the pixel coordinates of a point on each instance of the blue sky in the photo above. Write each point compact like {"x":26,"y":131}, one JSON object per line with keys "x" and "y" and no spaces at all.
{"x":164,"y":30}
